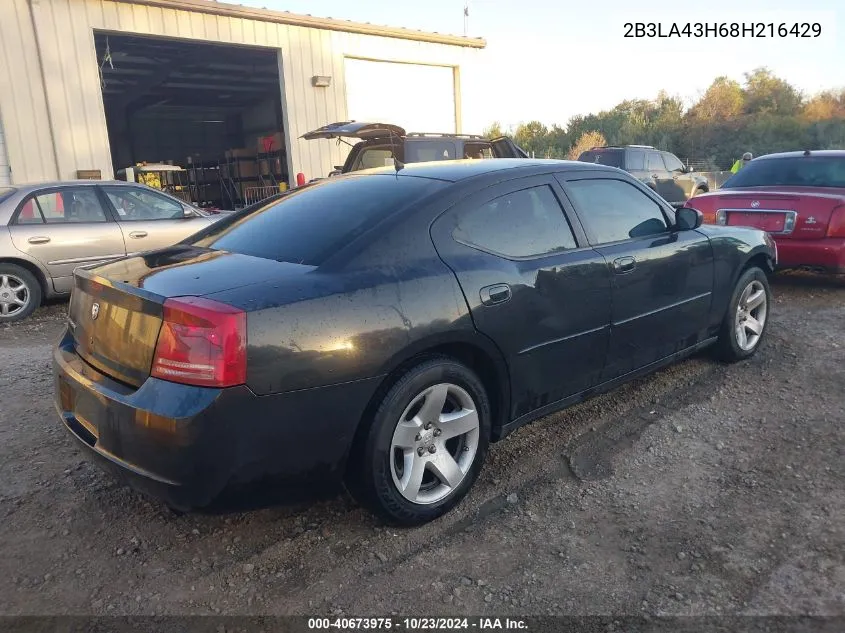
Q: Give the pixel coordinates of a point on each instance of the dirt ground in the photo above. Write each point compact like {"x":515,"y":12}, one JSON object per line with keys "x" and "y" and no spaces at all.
{"x":705,"y":489}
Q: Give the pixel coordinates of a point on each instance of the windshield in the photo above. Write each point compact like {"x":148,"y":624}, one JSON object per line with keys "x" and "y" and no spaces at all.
{"x":309,"y":225}
{"x":611,"y":157}
{"x":795,"y":171}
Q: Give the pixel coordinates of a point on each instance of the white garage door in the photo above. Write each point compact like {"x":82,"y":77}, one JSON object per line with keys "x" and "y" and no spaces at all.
{"x":5,"y":171}
{"x":416,"y":97}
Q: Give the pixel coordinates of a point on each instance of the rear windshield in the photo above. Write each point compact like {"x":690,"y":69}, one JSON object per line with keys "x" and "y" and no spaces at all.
{"x":797,"y":171}
{"x":611,"y":157}
{"x":309,"y":225}
{"x":5,"y":192}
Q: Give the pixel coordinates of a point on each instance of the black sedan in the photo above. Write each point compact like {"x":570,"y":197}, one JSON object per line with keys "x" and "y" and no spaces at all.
{"x":384,"y":328}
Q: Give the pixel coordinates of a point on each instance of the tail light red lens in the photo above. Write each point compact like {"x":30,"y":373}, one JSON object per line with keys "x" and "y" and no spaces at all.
{"x":201,"y":342}
{"x":836,"y":226}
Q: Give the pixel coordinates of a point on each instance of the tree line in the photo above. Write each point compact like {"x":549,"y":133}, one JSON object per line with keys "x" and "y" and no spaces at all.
{"x":762,"y":115}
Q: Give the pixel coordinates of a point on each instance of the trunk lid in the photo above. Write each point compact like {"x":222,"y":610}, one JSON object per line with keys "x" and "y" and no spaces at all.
{"x":354,"y":129}
{"x":116,"y":310}
{"x":788,"y":212}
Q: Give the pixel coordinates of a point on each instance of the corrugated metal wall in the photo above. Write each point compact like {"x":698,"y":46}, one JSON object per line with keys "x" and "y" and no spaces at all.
{"x":73,"y":108}
{"x":5,"y":170}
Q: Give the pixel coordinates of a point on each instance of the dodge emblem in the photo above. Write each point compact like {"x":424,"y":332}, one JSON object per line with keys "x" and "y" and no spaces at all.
{"x":755,"y":204}
{"x":95,"y":311}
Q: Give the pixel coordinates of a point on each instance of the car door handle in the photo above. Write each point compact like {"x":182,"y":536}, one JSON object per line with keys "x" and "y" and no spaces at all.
{"x":497,"y":293}
{"x":136,"y":235}
{"x":38,"y":239}
{"x":622,"y":265}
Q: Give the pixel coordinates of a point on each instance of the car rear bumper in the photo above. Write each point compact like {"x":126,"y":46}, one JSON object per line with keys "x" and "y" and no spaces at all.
{"x":187,"y":444}
{"x":826,"y":253}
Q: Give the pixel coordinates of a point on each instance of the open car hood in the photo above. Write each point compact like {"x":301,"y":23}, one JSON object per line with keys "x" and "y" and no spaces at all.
{"x":355,"y":129}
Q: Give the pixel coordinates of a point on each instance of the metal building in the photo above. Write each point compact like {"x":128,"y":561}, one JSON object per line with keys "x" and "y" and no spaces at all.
{"x":90,"y":86}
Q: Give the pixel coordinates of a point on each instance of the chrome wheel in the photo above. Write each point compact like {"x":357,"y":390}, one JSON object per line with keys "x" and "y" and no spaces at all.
{"x":14,"y":295}
{"x":434,"y":444}
{"x":751,"y":313}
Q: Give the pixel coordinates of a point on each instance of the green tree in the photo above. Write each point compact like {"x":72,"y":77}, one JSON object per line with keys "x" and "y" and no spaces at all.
{"x":825,"y":106}
{"x":722,"y":100}
{"x":531,"y":137}
{"x":494,"y":130}
{"x":766,"y":93}
{"x":586,"y":141}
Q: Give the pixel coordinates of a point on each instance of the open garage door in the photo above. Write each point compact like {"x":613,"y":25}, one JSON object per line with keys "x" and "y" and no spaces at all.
{"x":213,"y":111}
{"x":418,"y":98}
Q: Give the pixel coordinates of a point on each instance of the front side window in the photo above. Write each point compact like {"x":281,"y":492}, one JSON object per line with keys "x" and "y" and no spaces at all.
{"x":673,"y":163}
{"x":526,"y":223}
{"x":615,"y":210}
{"x":654,"y":162}
{"x":134,"y":204}
{"x":64,"y":206}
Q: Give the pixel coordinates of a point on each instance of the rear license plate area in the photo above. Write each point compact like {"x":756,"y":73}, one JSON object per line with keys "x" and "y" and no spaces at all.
{"x":771,"y":222}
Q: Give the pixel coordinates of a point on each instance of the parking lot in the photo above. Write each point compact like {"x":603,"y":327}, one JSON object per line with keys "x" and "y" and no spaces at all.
{"x":703,"y":489}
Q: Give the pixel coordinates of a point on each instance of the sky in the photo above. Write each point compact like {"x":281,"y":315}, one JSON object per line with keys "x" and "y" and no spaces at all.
{"x":548,"y":60}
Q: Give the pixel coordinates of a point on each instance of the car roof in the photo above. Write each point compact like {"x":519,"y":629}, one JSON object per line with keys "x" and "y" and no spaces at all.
{"x":37,"y":186}
{"x":836,"y":153}
{"x":456,"y":170}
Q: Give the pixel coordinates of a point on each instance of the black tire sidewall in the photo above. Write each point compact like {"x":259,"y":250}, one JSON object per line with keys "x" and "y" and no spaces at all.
{"x":376,"y":479}
{"x":34,"y":291}
{"x":730,"y":349}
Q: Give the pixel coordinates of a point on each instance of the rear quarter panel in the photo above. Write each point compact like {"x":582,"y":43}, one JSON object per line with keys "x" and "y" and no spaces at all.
{"x":733,"y":249}
{"x":354,"y":317}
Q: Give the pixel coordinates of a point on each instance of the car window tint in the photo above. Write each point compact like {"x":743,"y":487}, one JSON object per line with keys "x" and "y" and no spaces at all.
{"x":611,"y":157}
{"x":615,"y":210}
{"x":672,"y":162}
{"x":133,"y":204}
{"x":635,"y":160}
{"x":373,"y":157}
{"x":426,"y":151}
{"x":309,"y":225}
{"x":655,"y":163}
{"x":477,"y":150}
{"x":524,"y":223}
{"x":66,"y":206}
{"x":792,"y":171}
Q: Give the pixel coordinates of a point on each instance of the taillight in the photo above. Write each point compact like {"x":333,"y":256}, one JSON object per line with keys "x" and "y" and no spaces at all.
{"x":836,"y":226}
{"x":201,"y":342}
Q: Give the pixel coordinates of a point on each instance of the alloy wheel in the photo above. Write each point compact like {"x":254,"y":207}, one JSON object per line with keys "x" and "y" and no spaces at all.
{"x":751,"y":311}
{"x":434,"y":444}
{"x":14,"y":295}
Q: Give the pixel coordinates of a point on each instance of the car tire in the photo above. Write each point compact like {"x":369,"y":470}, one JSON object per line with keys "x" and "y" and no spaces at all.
{"x":747,"y":317}
{"x":17,"y":284}
{"x":419,"y":456}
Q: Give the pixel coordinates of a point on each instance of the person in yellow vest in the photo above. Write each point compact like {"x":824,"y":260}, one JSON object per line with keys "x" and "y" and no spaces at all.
{"x":741,"y":162}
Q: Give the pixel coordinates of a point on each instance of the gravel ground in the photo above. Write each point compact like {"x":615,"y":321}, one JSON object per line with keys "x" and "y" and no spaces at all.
{"x":704,"y":489}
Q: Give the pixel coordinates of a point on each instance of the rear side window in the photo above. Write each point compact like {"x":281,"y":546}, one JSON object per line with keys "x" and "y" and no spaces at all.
{"x":477,"y":150}
{"x":526,"y":223}
{"x":614,"y":210}
{"x":309,"y":225}
{"x":65,"y":206}
{"x":611,"y":157}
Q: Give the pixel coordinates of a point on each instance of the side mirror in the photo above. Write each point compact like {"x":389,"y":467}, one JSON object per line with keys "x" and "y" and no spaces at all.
{"x":335,"y":172}
{"x":690,"y":170}
{"x":188,"y":212}
{"x":689,"y":219}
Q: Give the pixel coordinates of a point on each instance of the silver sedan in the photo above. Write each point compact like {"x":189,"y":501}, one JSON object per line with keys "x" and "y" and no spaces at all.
{"x":49,"y":229}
